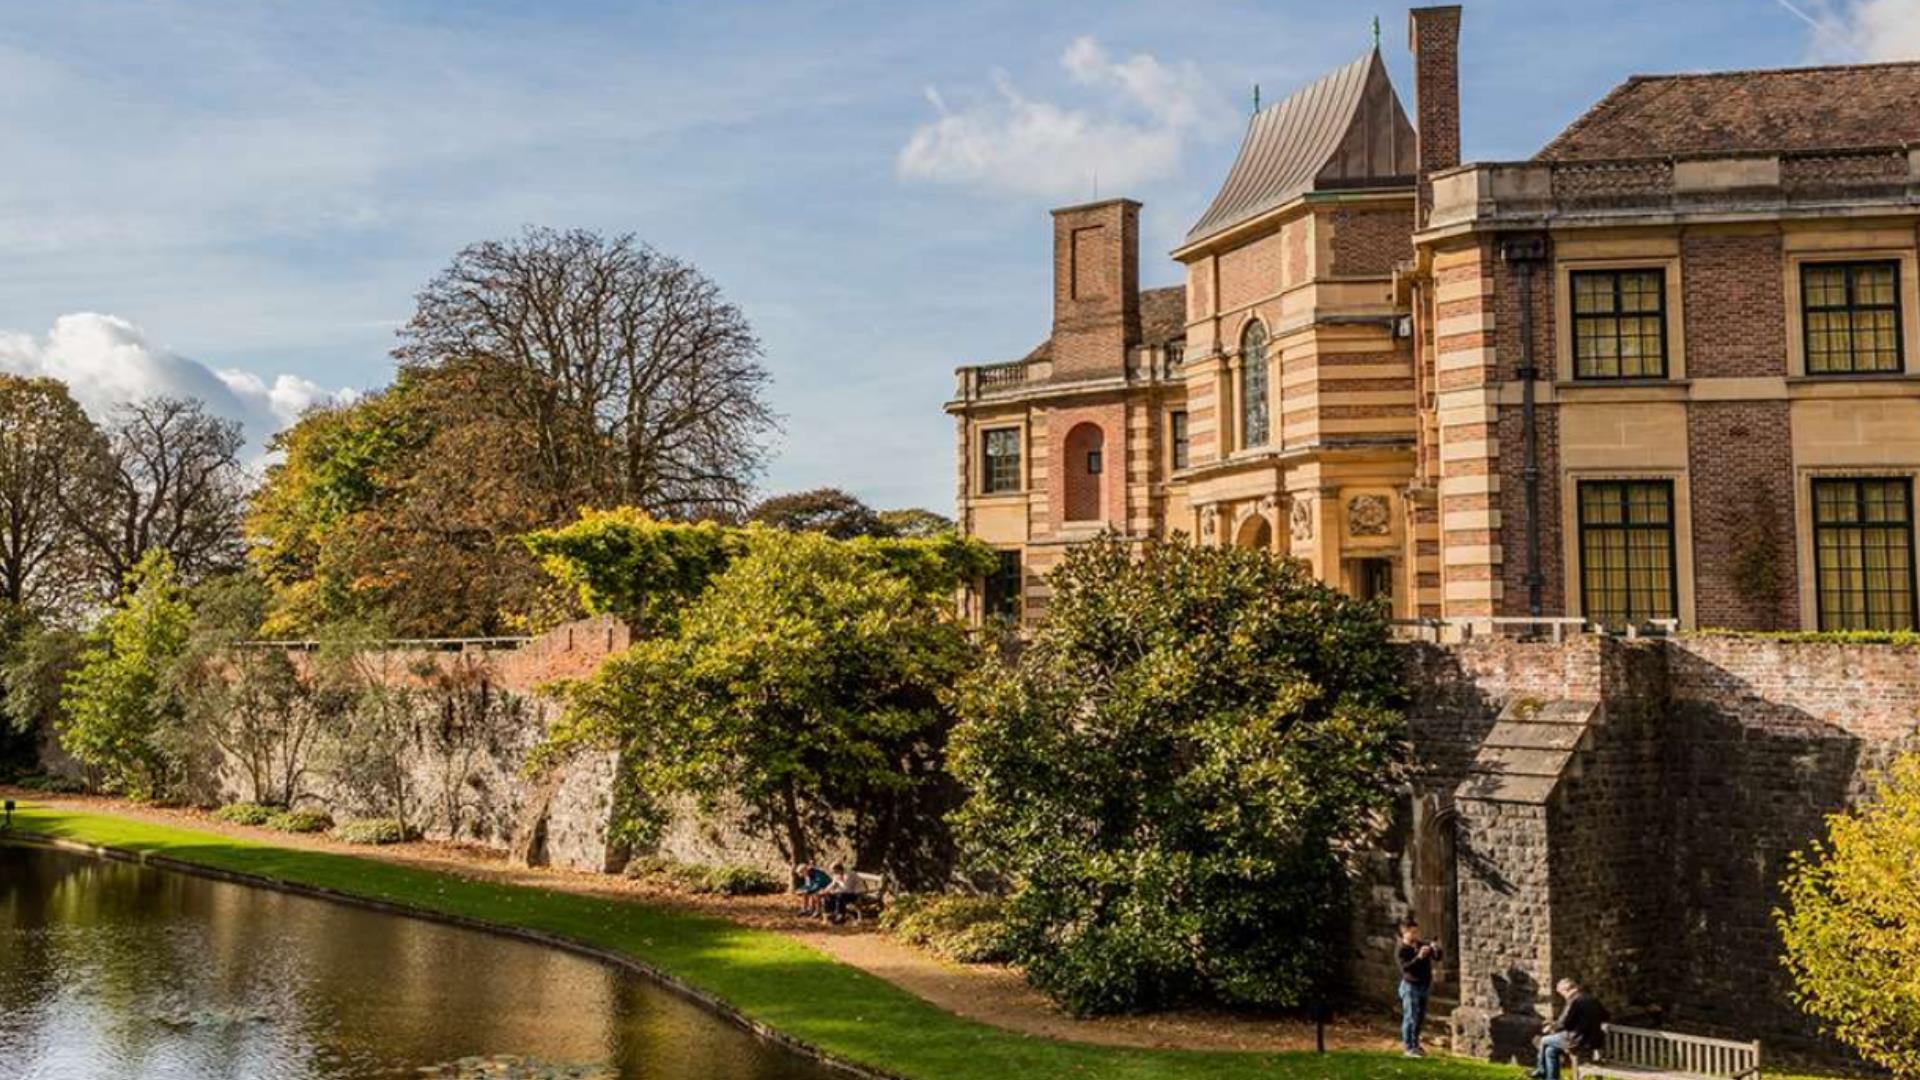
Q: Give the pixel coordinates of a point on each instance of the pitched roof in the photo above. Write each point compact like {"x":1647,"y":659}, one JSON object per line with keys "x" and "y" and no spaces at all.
{"x":1785,"y":110}
{"x":1163,"y":318}
{"x":1346,"y":130}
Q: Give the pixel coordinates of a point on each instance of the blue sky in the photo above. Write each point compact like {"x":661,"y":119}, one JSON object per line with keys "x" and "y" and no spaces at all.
{"x":239,"y":199}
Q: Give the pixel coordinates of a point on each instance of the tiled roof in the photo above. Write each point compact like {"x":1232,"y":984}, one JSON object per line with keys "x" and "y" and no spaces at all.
{"x":1163,"y":318}
{"x":1346,"y":130}
{"x":1163,"y":315}
{"x":1792,"y":109}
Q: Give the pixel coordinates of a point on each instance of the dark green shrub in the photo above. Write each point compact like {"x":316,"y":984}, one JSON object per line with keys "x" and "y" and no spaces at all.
{"x":1177,"y":775}
{"x":371,"y":831}
{"x":247,"y":813}
{"x":712,"y":880}
{"x":51,"y":785}
{"x":966,"y":929}
{"x":736,"y":881}
{"x":299,"y":821}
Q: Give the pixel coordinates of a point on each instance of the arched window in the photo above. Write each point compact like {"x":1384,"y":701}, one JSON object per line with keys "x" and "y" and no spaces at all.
{"x":1086,"y":450}
{"x":1253,"y":385}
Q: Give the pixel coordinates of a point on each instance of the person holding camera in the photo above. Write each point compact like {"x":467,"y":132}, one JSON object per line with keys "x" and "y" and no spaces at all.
{"x":1417,"y":958}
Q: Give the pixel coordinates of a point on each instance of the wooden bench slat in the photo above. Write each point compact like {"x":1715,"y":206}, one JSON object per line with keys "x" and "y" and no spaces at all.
{"x":1646,"y":1054}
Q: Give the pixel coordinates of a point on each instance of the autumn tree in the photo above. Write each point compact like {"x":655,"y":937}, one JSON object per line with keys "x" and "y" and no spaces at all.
{"x":1851,"y":929}
{"x":634,"y":379}
{"x":169,"y":480}
{"x":47,"y":447}
{"x":404,"y":509}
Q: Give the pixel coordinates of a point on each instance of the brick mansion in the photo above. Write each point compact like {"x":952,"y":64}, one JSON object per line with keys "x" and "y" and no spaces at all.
{"x":1667,"y":369}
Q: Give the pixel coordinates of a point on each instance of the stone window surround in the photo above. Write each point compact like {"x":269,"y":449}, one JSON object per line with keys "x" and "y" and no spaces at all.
{"x":1663,"y":259}
{"x":976,"y":456}
{"x":1570,"y":533}
{"x":1791,"y":262}
{"x":1226,"y":449}
{"x":1803,"y":539}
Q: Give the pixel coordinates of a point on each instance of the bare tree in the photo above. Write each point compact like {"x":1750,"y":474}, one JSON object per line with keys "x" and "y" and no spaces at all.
{"x":170,"y":479}
{"x":640,"y":383}
{"x":46,"y":445}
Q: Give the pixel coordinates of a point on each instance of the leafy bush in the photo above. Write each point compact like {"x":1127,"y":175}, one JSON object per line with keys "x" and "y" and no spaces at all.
{"x":731,"y":880}
{"x":1850,"y":924}
{"x":246,"y":813}
{"x":299,"y":821}
{"x":736,"y":881}
{"x":809,"y":682}
{"x":966,"y":929}
{"x":1819,"y":637}
{"x":1178,"y":775}
{"x":371,"y":831}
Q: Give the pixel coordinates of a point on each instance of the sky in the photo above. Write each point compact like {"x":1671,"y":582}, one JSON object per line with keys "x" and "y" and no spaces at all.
{"x":237,"y":199}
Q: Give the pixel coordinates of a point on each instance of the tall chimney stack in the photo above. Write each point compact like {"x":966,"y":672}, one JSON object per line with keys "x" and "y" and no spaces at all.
{"x":1433,"y":34}
{"x":1096,"y":287}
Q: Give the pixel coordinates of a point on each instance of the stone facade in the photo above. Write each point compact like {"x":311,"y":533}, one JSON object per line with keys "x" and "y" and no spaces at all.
{"x":1623,"y":812}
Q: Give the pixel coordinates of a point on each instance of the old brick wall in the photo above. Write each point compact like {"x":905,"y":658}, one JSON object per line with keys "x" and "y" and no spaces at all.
{"x":1740,"y":470}
{"x":1369,"y":243}
{"x":1653,"y":869}
{"x":1512,"y":438}
{"x":1735,"y":322}
{"x":1765,"y":739}
{"x":1608,"y":925}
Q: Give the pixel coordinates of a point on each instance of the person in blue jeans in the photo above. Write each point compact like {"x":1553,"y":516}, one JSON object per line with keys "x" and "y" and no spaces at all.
{"x":1580,"y":1029}
{"x":1417,"y":958}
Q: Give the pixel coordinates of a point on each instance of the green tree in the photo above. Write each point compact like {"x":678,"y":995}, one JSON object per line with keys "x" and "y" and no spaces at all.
{"x":808,"y":682}
{"x":822,"y":510}
{"x":122,"y":715}
{"x":264,"y":709}
{"x":914,"y":523}
{"x":627,"y":563}
{"x":1852,"y":930}
{"x":1176,"y":773}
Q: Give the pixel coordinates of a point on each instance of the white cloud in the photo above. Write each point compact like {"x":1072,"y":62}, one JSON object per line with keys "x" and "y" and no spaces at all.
{"x":1849,"y":31}
{"x":106,"y":361}
{"x":1143,"y":115}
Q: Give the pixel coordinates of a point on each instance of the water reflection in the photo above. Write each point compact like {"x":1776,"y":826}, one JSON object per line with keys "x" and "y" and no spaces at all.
{"x":114,"y":970}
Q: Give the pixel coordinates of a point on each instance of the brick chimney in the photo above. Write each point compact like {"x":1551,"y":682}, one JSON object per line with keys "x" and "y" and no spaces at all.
{"x":1433,"y":34}
{"x":1096,"y":287}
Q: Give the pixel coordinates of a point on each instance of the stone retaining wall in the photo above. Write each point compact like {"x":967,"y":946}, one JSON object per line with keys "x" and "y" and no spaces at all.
{"x":1647,"y":863}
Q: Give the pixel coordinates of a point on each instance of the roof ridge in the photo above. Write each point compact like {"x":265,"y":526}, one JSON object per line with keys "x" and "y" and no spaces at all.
{"x":1789,"y":70}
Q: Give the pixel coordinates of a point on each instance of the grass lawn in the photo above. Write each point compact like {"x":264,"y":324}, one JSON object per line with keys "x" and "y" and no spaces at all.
{"x":772,"y":978}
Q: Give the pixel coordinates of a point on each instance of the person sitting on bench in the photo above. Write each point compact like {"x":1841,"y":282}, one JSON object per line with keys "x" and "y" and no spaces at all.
{"x":842,"y":891}
{"x":1579,"y":1030}
{"x":810,"y":881}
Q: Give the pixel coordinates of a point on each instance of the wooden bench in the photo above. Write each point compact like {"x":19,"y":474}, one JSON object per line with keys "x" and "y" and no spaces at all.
{"x":1664,"y":1055}
{"x":871,"y":900}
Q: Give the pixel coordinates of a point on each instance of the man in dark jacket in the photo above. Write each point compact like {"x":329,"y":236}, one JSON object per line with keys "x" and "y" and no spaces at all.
{"x":1416,"y":984}
{"x":1579,"y":1030}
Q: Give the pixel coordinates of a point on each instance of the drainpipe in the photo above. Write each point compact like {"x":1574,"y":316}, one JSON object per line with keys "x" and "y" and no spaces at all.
{"x":1523,"y":253}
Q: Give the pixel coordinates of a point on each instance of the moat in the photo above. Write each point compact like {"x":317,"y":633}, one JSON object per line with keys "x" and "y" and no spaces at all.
{"x":115,"y":970}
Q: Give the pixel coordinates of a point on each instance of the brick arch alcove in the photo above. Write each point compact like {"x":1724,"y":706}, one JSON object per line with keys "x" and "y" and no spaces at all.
{"x":1085,"y":469}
